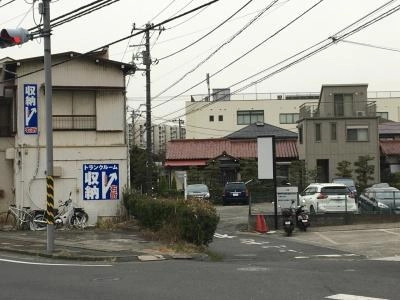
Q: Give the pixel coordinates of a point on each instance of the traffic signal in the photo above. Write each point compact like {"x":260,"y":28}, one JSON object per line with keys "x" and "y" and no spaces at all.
{"x":12,"y":37}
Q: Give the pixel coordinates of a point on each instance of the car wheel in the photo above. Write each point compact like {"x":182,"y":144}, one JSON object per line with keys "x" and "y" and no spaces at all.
{"x":312,"y":210}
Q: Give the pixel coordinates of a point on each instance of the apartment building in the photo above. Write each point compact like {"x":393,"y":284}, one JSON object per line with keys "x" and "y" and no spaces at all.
{"x":161,"y":134}
{"x":343,"y":125}
{"x":227,"y":113}
{"x":90,"y":153}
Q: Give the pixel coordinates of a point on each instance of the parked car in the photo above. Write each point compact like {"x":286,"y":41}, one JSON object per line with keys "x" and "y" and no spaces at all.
{"x":380,"y":198}
{"x":349,"y":182}
{"x":235,"y":192}
{"x":198,"y":191}
{"x":327,"y":198}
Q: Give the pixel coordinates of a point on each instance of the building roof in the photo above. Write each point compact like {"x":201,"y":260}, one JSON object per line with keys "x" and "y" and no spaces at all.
{"x":390,"y":147}
{"x":389,"y":128}
{"x":98,"y":56}
{"x":200,"y":149}
{"x":261,"y":129}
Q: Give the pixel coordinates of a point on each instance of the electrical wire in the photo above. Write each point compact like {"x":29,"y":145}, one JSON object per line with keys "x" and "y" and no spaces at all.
{"x":207,"y":34}
{"x":9,"y":2}
{"x":251,"y":50}
{"x":164,"y":9}
{"x":306,"y":56}
{"x":114,"y":42}
{"x":219,"y":48}
{"x":370,"y":45}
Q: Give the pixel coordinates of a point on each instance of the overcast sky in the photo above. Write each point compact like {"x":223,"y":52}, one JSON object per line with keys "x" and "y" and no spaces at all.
{"x":344,"y":62}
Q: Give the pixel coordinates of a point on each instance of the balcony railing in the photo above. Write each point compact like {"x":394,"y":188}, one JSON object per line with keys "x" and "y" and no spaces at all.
{"x":71,"y":122}
{"x":326,"y":110}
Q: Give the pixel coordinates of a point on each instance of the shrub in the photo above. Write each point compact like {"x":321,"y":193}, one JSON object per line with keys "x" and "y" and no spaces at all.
{"x":193,"y":220}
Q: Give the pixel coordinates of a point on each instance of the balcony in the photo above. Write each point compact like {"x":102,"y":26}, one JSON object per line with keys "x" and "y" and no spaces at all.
{"x":71,"y":122}
{"x":326,"y":110}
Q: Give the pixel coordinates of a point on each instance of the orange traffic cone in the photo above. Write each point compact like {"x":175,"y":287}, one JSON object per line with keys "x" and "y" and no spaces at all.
{"x":261,"y":225}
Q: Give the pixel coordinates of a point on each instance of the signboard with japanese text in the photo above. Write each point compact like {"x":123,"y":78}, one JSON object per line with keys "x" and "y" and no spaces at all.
{"x":30,"y":109}
{"x":100,"y":181}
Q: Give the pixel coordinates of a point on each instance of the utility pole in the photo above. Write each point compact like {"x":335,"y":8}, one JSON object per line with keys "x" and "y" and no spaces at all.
{"x":208,"y":86}
{"x":45,"y":11}
{"x":147,"y":63}
{"x":180,"y":122}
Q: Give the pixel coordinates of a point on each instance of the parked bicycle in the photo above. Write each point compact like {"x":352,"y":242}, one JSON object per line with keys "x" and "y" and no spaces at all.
{"x":22,"y":218}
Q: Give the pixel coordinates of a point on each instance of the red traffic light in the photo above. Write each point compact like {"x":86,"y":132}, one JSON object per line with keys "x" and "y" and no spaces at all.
{"x":12,"y":37}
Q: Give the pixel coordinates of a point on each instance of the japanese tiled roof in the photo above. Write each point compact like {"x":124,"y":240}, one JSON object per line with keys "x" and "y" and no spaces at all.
{"x":389,"y":128}
{"x":261,"y":129}
{"x":211,"y":148}
{"x":390,"y":147}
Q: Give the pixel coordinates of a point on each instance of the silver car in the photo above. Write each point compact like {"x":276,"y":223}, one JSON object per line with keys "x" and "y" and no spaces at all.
{"x":198,"y":191}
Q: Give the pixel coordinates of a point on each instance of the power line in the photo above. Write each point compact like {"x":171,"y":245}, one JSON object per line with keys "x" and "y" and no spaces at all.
{"x":116,"y":41}
{"x":370,"y":45}
{"x":306,"y":56}
{"x":219,"y":48}
{"x":164,"y":9}
{"x":207,"y":34}
{"x":251,"y":50}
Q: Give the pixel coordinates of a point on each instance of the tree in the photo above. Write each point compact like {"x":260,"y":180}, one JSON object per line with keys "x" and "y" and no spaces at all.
{"x":343,"y":169}
{"x":364,"y":170}
{"x":297,"y":174}
{"x":138,"y":158}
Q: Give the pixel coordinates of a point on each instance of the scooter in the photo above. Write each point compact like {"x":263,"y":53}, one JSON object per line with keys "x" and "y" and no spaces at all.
{"x":302,"y":219}
{"x":288,"y":222}
{"x":65,"y":215}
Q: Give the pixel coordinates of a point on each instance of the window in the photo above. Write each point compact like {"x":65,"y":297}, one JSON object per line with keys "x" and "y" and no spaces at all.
{"x":288,"y":118}
{"x":357,"y":133}
{"x":383,"y":115}
{"x":74,"y":110}
{"x":211,"y":118}
{"x":333,"y":132}
{"x":220,"y":118}
{"x":317,"y":132}
{"x":246,"y":117}
{"x":343,"y":105}
{"x":5,"y":117}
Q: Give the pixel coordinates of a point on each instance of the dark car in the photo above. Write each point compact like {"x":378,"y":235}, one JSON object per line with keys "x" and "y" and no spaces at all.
{"x":349,"y":182}
{"x":380,"y":198}
{"x":235,"y":192}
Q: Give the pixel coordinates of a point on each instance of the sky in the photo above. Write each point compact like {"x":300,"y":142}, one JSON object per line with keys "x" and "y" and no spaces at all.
{"x":175,"y":78}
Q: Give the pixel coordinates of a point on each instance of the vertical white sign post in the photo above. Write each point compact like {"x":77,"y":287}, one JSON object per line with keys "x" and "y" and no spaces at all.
{"x":266,"y":165}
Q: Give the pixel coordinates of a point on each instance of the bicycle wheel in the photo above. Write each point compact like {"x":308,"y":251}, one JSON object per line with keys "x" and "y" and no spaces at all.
{"x":38,"y":222}
{"x":25,"y":220}
{"x":10,"y":221}
{"x":79,"y":220}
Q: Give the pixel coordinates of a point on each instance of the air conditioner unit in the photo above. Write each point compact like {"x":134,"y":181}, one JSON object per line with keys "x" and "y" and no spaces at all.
{"x":360,"y":113}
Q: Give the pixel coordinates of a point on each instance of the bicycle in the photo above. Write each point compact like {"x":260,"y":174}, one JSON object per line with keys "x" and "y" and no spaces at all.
{"x":22,"y":218}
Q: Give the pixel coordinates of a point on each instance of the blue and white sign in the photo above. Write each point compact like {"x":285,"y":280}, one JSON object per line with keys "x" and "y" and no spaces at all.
{"x":100,"y":181}
{"x":30,"y":109}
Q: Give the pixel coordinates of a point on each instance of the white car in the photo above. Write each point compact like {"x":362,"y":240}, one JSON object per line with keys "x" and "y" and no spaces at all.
{"x":327,"y":198}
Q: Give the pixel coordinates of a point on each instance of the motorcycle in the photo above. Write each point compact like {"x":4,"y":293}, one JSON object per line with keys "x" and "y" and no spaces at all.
{"x":302,"y":219}
{"x":288,"y":223}
{"x":66,"y":215}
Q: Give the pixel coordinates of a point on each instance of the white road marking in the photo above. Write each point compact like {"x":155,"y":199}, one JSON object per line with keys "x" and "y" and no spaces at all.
{"x":224,"y":236}
{"x":252,"y":242}
{"x":351,"y":297}
{"x":391,"y":258}
{"x":391,"y":232}
{"x":326,"y":238}
{"x":301,"y":257}
{"x":253,"y":269}
{"x":49,"y":264}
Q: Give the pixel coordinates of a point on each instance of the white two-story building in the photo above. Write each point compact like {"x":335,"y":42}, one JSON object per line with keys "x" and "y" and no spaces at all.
{"x":89,"y":132}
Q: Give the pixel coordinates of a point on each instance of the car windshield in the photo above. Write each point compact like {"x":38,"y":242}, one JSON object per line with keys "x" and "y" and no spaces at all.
{"x":387,"y":195}
{"x":335,"y":190}
{"x":234,"y":186}
{"x":346,"y":181}
{"x":197,"y":188}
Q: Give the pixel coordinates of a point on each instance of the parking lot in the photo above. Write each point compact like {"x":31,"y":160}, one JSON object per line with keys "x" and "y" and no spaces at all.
{"x":372,"y":240}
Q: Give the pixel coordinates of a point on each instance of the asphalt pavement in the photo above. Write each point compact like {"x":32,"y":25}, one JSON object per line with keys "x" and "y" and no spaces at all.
{"x":129,"y":244}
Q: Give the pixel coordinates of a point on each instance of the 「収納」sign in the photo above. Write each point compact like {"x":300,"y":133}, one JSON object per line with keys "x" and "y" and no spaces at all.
{"x":100,"y":181}
{"x":30,"y":109}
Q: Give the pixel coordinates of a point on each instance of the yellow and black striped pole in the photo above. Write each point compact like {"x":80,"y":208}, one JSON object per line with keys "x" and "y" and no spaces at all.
{"x":50,"y":200}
